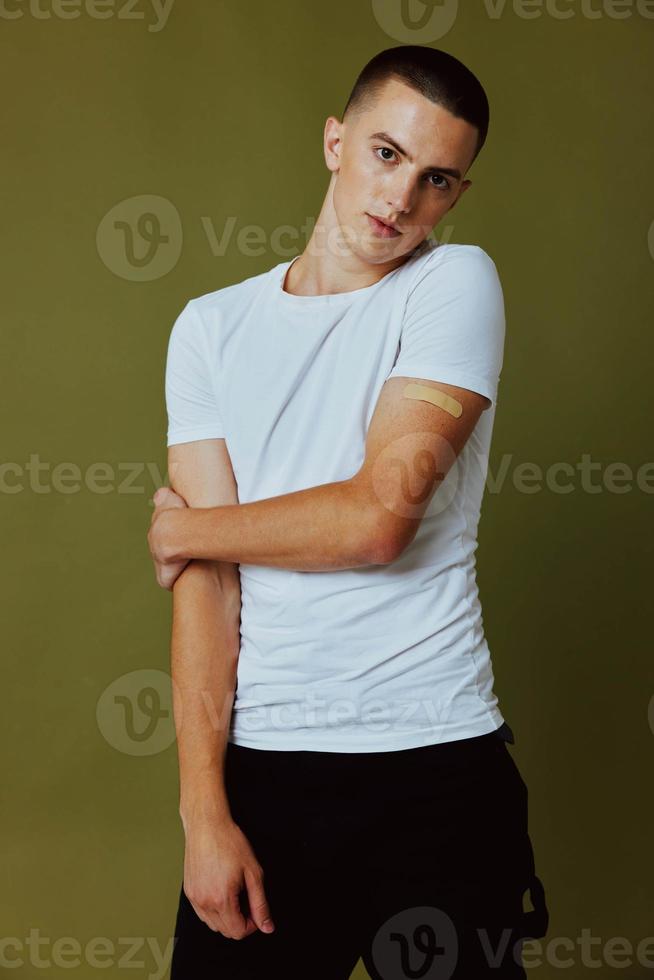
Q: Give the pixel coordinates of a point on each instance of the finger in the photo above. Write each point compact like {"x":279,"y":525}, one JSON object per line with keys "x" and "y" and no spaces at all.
{"x":259,"y":909}
{"x":218,"y":924}
{"x":170,"y":574}
{"x":204,"y":915}
{"x":223,"y":928}
{"x":233,"y":917}
{"x":210,"y":916}
{"x":251,"y":927}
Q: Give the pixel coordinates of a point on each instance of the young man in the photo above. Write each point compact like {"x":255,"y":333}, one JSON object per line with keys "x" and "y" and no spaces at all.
{"x":345,"y":786}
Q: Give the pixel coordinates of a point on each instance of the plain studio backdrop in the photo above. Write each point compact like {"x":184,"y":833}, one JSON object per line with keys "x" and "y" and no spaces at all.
{"x":155,"y":152}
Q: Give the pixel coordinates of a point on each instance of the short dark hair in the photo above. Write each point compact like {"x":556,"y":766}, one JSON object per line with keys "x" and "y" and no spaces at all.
{"x":437,"y":75}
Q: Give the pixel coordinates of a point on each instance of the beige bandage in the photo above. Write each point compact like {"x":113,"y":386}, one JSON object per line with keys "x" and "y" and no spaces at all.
{"x":435,"y":396}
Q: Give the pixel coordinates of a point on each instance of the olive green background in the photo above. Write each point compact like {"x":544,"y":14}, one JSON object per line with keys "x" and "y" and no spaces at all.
{"x":221,"y":113}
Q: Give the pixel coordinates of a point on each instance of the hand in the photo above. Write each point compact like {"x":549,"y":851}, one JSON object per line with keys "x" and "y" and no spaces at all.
{"x":167,"y":572}
{"x":219,"y":864}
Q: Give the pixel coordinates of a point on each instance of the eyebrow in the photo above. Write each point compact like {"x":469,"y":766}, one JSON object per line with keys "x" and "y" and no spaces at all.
{"x":450,"y":171}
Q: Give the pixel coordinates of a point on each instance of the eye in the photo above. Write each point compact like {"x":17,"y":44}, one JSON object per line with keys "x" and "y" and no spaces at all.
{"x":388,"y":150}
{"x":441,"y":187}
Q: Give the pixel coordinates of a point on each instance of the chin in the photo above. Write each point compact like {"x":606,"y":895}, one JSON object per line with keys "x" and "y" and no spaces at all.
{"x":379,"y":255}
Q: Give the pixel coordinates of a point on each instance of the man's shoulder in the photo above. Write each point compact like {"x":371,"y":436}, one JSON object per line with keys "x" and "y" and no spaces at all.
{"x":459,"y":266}
{"x":455,"y":254}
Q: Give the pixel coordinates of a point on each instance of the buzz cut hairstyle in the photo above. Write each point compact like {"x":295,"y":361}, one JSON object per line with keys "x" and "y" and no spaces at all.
{"x":437,"y":75}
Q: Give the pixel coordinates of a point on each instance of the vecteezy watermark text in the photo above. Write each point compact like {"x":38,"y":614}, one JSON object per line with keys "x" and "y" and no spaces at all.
{"x":425,"y":21}
{"x":94,"y":9}
{"x":140,"y":238}
{"x":98,"y":953}
{"x":42,"y":477}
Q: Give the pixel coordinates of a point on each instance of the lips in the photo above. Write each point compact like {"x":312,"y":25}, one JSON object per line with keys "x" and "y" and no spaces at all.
{"x":381,"y":229}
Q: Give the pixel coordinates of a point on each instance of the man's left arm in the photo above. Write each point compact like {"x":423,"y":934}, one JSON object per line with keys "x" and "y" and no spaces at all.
{"x":369,"y":518}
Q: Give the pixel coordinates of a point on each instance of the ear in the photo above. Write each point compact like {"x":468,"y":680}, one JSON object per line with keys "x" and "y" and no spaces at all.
{"x":332,"y":143}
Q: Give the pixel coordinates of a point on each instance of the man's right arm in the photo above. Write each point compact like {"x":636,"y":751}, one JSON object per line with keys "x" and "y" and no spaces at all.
{"x":219,"y":861}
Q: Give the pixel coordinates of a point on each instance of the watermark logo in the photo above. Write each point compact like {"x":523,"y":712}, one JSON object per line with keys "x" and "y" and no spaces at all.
{"x":135,"y":712}
{"x":417,"y":942}
{"x":140,"y":238}
{"x":411,"y":468}
{"x":415,"y":21}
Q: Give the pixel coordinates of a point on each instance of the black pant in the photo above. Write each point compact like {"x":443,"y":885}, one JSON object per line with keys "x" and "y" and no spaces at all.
{"x":415,"y":860}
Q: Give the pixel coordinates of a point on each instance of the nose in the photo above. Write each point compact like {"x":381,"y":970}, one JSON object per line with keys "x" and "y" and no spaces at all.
{"x":400,"y":198}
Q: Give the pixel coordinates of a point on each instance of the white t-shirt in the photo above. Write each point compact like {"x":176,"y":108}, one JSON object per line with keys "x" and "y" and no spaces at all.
{"x":378,"y":657}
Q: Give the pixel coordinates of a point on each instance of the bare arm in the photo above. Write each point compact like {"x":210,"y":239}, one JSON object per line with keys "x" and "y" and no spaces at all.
{"x":205,"y":634}
{"x":368,"y":519}
{"x":330,"y":526}
{"x":219,"y":862}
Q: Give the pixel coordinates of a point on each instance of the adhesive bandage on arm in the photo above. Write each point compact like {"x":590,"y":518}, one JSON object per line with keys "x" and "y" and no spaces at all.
{"x":435,"y":396}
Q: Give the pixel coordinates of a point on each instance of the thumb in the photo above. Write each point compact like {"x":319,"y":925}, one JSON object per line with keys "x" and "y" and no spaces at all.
{"x":259,"y":910}
{"x":159,"y":495}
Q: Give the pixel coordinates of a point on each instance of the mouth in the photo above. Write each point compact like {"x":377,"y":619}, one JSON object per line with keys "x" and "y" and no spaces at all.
{"x":381,"y":229}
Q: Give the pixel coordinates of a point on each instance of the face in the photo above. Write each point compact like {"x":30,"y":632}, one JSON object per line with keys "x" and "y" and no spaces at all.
{"x":411,"y":176}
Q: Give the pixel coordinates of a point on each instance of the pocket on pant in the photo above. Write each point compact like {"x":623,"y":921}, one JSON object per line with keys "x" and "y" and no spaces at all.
{"x":534,"y":922}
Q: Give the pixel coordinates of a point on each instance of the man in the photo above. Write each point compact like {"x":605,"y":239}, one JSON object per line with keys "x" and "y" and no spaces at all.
{"x":345,"y":787}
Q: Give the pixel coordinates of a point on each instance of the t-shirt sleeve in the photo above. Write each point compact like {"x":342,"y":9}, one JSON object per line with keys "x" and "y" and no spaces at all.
{"x":454,"y":324}
{"x":191,"y":403}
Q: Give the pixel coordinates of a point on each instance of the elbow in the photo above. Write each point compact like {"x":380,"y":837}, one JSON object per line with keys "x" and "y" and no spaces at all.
{"x":384,"y":545}
{"x":390,"y":536}
{"x":383,"y":536}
